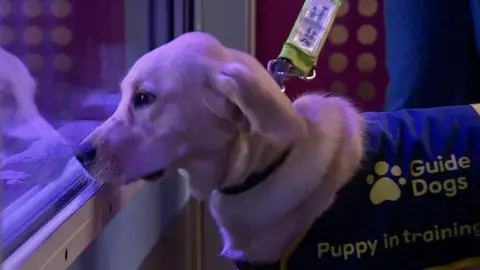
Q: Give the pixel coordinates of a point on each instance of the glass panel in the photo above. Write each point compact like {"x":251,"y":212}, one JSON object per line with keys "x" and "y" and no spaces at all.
{"x":60,"y":65}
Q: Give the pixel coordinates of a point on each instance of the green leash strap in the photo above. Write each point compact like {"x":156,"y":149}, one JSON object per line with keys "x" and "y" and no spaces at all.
{"x":306,"y":39}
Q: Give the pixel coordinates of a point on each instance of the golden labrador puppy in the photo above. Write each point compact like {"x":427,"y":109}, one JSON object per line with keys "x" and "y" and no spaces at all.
{"x":269,"y":168}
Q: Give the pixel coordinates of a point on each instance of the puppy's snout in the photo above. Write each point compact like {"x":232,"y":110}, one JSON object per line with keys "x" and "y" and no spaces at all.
{"x":86,"y":154}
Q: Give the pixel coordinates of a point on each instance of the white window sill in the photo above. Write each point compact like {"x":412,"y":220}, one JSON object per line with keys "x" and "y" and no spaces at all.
{"x":83,"y":221}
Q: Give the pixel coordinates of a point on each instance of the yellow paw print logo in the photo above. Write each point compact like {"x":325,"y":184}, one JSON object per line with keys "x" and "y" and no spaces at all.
{"x":385,"y":188}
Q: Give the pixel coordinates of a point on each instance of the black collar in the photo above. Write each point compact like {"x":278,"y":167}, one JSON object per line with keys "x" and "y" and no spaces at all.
{"x":248,"y":266}
{"x":256,"y":178}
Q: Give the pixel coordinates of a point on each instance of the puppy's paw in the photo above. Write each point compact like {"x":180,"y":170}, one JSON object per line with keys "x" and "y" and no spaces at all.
{"x":340,"y":129}
{"x":329,"y":114}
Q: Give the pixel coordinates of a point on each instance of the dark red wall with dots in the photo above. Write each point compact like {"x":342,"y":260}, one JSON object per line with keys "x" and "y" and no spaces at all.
{"x":352,"y":62}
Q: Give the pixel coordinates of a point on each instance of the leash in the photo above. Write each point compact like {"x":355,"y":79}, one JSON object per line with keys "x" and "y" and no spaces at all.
{"x":300,"y":52}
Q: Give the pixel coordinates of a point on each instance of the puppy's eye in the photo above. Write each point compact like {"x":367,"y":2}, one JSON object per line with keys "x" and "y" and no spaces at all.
{"x":143,"y":99}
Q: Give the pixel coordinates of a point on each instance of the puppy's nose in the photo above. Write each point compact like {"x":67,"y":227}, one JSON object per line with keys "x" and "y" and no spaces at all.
{"x":86,"y":154}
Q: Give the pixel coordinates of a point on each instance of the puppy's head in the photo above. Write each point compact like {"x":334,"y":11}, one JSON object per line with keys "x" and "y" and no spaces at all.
{"x":187,"y":105}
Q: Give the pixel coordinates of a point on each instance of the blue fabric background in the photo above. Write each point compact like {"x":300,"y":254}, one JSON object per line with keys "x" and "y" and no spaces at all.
{"x":432,"y":53}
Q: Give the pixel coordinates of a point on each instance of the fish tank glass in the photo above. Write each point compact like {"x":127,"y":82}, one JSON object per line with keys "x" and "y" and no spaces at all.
{"x":61,"y":62}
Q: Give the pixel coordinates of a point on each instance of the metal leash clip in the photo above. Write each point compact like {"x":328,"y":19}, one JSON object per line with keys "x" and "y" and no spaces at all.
{"x":282,"y":69}
{"x":301,"y":50}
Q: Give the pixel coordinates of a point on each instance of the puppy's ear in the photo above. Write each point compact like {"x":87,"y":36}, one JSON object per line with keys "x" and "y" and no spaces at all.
{"x":242,"y":97}
{"x":221,"y":106}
